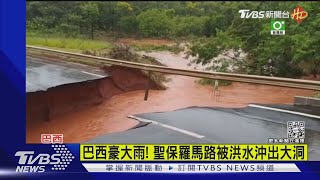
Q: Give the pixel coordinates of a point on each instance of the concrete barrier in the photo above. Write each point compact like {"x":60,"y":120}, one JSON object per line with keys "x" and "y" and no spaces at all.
{"x":303,"y":100}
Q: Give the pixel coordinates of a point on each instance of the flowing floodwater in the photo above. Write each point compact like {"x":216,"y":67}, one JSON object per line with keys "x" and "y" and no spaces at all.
{"x":111,"y":115}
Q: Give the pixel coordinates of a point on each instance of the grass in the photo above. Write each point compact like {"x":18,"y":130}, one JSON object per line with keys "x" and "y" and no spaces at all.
{"x":83,"y":44}
{"x":74,"y":44}
{"x":100,"y":48}
{"x":317,"y":94}
{"x":148,"y":48}
{"x":211,"y":82}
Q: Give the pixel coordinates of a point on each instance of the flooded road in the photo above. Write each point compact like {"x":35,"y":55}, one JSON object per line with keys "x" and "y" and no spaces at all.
{"x":182,"y":92}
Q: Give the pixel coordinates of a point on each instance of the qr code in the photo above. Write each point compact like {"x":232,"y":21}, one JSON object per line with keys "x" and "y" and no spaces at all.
{"x":295,"y":129}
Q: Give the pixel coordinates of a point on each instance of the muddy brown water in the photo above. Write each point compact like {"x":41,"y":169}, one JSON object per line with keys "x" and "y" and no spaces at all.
{"x":111,"y":115}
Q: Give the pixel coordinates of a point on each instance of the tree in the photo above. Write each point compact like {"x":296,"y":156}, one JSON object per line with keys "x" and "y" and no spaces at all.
{"x":123,"y":8}
{"x":194,"y":8}
{"x":307,"y":43}
{"x":90,"y":13}
{"x":190,"y":25}
{"x":155,"y":23}
{"x":128,"y":24}
{"x":216,"y":27}
{"x":266,"y":54}
{"x":206,"y":51}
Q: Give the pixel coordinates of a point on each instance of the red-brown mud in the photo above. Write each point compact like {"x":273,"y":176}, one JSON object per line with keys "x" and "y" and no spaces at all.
{"x":54,"y":102}
{"x":111,"y":115}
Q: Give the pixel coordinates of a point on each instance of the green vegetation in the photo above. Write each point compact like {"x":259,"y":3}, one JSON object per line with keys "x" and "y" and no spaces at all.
{"x":317,"y":94}
{"x":211,"y":29}
{"x":266,"y":54}
{"x":139,"y":19}
{"x":148,"y":48}
{"x":75,"y":44}
{"x":125,"y":53}
{"x":211,"y":82}
{"x":155,"y":23}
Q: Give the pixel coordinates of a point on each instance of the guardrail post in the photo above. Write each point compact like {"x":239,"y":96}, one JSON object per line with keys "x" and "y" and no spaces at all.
{"x":147,"y":86}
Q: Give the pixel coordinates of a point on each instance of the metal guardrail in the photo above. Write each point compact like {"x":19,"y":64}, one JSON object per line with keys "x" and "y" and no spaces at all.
{"x":274,"y":81}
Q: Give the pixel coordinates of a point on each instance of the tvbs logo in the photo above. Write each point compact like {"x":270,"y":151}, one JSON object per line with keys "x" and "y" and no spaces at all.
{"x":252,"y":14}
{"x":29,"y":162}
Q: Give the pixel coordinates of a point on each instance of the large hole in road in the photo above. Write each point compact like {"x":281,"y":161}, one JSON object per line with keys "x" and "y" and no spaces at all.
{"x":56,"y":101}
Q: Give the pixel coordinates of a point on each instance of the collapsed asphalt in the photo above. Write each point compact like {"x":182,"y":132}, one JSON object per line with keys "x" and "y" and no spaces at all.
{"x":195,"y":125}
{"x":43,"y":74}
{"x":213,"y":125}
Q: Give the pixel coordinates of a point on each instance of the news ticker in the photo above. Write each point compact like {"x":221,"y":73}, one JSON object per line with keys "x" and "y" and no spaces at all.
{"x":189,"y":167}
{"x":197,"y":152}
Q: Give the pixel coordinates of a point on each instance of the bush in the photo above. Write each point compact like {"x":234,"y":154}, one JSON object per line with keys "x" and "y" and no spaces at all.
{"x":67,"y":30}
{"x":149,"y":48}
{"x":128,"y":24}
{"x":190,"y":25}
{"x":155,"y":23}
{"x":211,"y":82}
{"x":123,"y":52}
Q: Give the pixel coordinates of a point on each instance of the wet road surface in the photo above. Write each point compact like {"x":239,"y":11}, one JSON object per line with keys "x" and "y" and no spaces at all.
{"x":43,"y":74}
{"x":247,"y":125}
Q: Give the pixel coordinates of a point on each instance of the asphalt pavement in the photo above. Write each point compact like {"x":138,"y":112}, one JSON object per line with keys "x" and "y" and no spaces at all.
{"x":42,"y":74}
{"x":249,"y":125}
